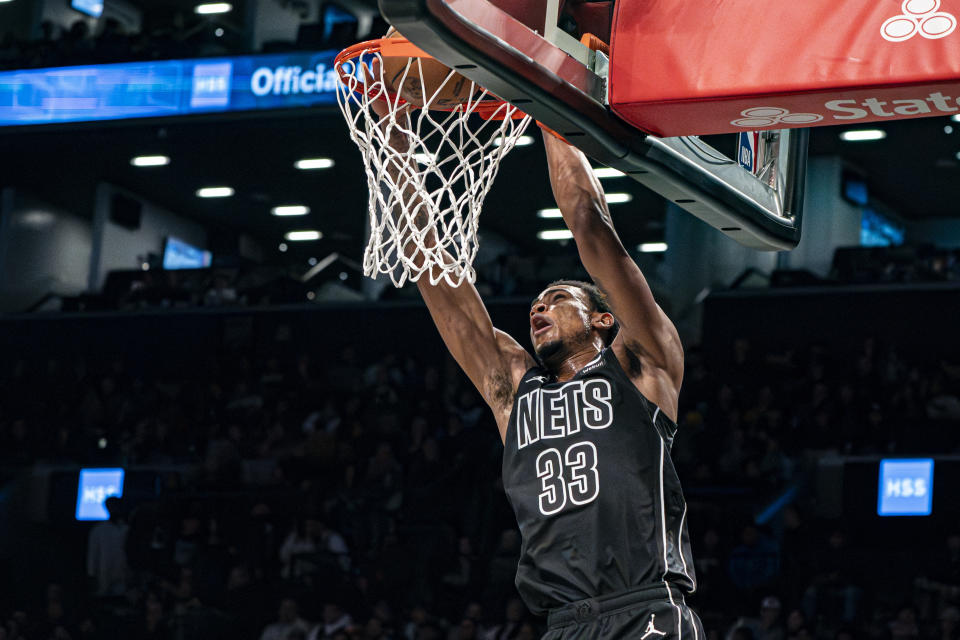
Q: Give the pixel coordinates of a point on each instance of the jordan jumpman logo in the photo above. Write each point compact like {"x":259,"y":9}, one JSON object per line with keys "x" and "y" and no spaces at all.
{"x":652,"y":630}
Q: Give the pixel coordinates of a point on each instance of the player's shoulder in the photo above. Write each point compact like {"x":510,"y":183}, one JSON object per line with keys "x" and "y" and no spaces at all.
{"x":638,"y":363}
{"x":513,"y":354}
{"x":660,"y":385}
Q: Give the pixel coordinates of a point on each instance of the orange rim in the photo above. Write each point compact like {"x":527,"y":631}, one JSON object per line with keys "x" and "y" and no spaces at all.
{"x":403,"y":48}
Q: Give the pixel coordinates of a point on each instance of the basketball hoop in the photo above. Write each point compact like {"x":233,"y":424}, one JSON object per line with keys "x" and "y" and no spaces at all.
{"x":426,"y":191}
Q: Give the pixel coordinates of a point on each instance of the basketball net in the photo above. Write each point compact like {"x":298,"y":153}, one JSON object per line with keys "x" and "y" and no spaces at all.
{"x":428,"y":169}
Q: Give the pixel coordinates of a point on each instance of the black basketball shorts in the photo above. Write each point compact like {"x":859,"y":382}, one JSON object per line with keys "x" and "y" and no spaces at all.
{"x":647,"y":613}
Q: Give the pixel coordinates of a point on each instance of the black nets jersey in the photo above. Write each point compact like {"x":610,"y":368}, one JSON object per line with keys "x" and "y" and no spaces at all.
{"x":587,"y":470}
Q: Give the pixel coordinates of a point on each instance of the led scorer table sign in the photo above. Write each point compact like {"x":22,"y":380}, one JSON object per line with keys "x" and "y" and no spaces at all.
{"x":167,"y":88}
{"x":95,"y":486}
{"x":906,"y":487}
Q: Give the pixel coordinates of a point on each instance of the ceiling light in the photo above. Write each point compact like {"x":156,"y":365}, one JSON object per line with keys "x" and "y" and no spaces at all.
{"x":617,"y":198}
{"x":522,"y":141}
{"x":218,"y":32}
{"x":150,"y":161}
{"x":209,"y":8}
{"x":555,"y":234}
{"x":956,"y":118}
{"x":37,"y":219}
{"x":290,"y":210}
{"x":300,"y":236}
{"x":282,"y":247}
{"x":607,"y":172}
{"x":549,"y":213}
{"x":215,"y":192}
{"x":313,"y":163}
{"x":948,"y":129}
{"x":958,"y":155}
{"x":424,"y":158}
{"x":652,"y":247}
{"x":863,"y":135}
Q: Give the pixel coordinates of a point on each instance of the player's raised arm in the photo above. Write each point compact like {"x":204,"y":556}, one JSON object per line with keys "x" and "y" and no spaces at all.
{"x":492,"y":359}
{"x":645,"y":329}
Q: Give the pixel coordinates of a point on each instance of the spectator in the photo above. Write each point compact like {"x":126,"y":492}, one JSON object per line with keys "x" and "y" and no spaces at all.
{"x":904,"y":626}
{"x":335,"y":619}
{"x":833,"y":592}
{"x":768,"y":626}
{"x":512,"y":626}
{"x":754,"y":562}
{"x":288,"y":619}
{"x":106,"y":556}
{"x":949,"y":624}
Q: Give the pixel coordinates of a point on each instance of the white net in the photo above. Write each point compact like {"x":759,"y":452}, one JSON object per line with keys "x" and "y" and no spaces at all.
{"x":428,"y":170}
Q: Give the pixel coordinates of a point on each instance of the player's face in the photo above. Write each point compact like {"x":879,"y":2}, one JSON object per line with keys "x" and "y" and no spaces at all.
{"x":558,"y":316}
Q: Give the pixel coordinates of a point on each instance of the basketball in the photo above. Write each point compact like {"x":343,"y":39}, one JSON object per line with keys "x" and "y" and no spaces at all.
{"x":427,"y":80}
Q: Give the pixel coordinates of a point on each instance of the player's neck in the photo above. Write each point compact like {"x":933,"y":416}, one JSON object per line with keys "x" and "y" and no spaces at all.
{"x":572,"y":362}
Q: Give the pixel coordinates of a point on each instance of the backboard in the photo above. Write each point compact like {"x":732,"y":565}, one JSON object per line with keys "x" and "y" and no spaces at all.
{"x":562,"y":84}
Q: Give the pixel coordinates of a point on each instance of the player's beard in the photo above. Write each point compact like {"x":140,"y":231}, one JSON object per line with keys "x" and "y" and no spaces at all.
{"x":553,"y":352}
{"x":549,"y":350}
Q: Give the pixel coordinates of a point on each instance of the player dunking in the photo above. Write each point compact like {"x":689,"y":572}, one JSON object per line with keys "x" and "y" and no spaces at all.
{"x":587,"y":428}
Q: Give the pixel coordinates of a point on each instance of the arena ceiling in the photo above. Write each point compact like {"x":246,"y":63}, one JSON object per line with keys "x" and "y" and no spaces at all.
{"x":915,"y":170}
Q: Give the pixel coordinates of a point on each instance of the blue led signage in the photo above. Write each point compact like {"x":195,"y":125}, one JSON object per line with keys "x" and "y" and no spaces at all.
{"x":96,"y":485}
{"x":906,"y":487}
{"x":167,"y":88}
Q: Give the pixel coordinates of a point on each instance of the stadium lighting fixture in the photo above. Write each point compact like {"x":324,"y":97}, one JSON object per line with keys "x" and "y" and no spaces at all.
{"x":863,"y":135}
{"x":522,"y":141}
{"x":549,"y":213}
{"x":215,"y":192}
{"x":209,"y":8}
{"x":290,"y":210}
{"x":302,"y":236}
{"x":652,"y":247}
{"x":607,"y":172}
{"x":149,"y":161}
{"x":618,"y":198}
{"x":956,"y":118}
{"x":313,"y":163}
{"x":555,"y":234}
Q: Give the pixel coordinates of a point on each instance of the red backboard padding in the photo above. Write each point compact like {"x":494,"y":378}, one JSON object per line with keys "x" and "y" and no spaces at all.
{"x":683,"y":67}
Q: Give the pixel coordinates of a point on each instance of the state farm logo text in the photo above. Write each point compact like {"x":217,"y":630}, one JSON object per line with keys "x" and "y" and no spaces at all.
{"x":919,"y":17}
{"x":760,"y":117}
{"x":936,"y":103}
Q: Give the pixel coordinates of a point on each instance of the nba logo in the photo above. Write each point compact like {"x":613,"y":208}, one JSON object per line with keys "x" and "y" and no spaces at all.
{"x":747,"y":154}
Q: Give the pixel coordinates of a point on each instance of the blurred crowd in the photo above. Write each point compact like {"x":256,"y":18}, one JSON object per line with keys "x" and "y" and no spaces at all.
{"x":906,"y":263}
{"x":506,"y":275}
{"x":167,"y":33}
{"x":358,"y":497}
{"x":177,"y":37}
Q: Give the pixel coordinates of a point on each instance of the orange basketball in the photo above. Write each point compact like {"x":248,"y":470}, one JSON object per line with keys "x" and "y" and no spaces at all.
{"x":427,"y":80}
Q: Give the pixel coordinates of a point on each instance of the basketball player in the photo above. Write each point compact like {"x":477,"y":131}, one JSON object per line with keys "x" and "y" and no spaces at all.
{"x":587,"y":428}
